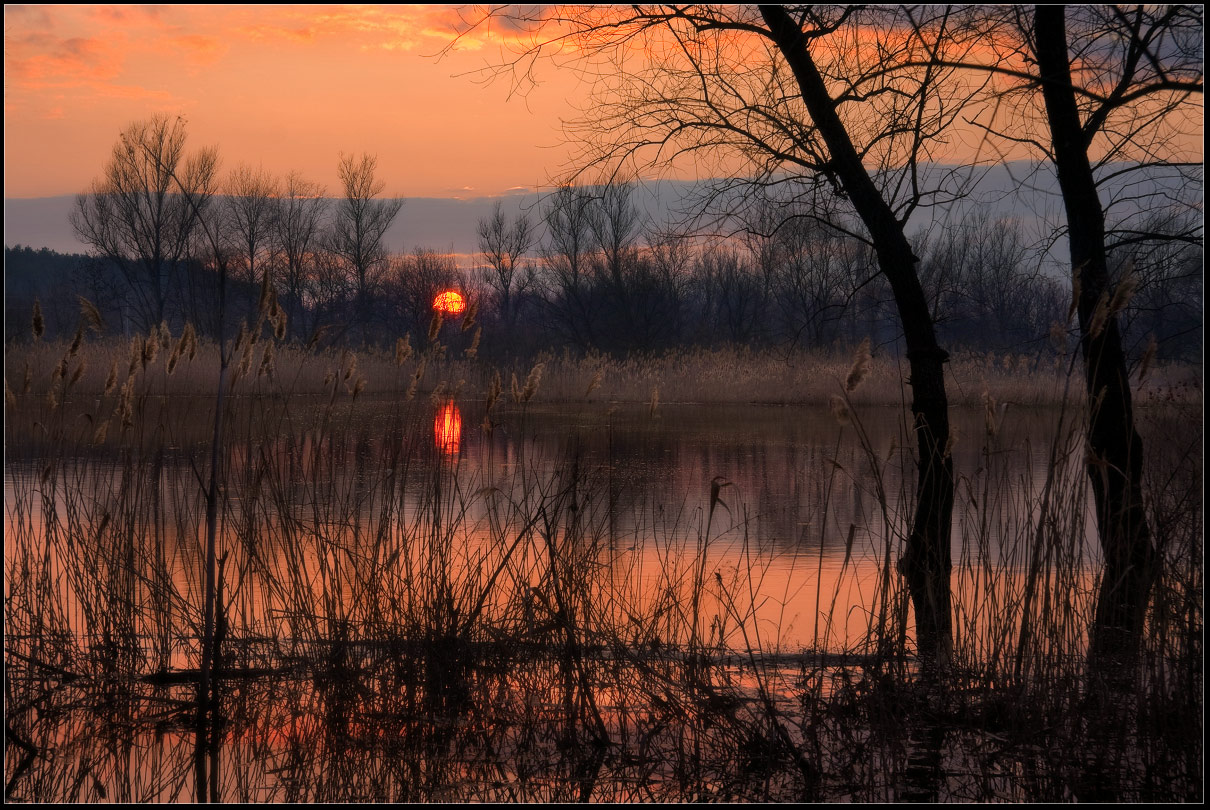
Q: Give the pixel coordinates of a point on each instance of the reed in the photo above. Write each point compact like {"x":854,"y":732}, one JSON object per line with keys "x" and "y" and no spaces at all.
{"x":392,"y":624}
{"x":725,"y":376}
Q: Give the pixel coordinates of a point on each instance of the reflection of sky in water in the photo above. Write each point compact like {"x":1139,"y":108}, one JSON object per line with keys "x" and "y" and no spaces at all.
{"x":793,"y":557}
{"x":801,"y":531}
{"x":797,"y":480}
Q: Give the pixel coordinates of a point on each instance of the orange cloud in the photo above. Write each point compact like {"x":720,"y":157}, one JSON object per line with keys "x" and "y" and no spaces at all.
{"x":199,"y":49}
{"x":389,"y":28}
{"x":289,"y":86}
{"x":303,"y":34}
{"x":42,"y":58}
{"x":396,"y":28}
{"x":128,"y":15}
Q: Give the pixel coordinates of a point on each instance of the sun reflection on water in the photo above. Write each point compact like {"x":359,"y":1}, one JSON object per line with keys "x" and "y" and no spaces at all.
{"x":447,"y":429}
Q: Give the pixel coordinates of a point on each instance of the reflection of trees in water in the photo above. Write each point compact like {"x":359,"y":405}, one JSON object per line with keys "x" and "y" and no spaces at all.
{"x":798,"y":481}
{"x":367,"y":702}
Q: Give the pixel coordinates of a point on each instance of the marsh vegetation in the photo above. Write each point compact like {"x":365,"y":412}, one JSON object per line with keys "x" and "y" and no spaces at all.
{"x":776,"y":499}
{"x":556,"y":603}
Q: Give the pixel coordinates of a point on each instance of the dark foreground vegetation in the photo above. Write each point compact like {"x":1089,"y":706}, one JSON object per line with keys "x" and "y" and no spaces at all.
{"x":392,"y":627}
{"x":258,"y":604}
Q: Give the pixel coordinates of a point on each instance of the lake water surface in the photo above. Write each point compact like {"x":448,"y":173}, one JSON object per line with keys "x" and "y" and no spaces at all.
{"x":807,"y":515}
{"x":761,"y":533}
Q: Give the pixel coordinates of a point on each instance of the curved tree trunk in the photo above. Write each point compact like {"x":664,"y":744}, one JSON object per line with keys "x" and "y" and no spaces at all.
{"x":926,"y":563}
{"x":1115,"y":455}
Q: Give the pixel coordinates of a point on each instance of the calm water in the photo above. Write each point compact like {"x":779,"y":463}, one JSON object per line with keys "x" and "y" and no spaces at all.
{"x":357,"y":523}
{"x":807,"y":514}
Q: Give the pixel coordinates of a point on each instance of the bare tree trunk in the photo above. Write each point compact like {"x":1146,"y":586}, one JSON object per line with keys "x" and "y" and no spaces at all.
{"x":926,"y":563}
{"x":1115,"y":450}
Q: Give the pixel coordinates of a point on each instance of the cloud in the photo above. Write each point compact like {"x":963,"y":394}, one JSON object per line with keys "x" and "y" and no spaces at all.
{"x":26,"y":16}
{"x":198,"y":49}
{"x":41,"y":57}
{"x":43,"y":71}
{"x":62,"y":57}
{"x":300,"y":34}
{"x":393,"y":28}
{"x":129,"y":15}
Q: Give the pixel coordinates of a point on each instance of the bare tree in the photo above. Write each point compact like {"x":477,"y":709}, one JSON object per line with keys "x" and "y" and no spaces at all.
{"x":360,"y":225}
{"x":815,"y":96}
{"x":926,"y":562}
{"x":567,"y":264}
{"x":504,"y":245}
{"x":298,"y":234}
{"x":809,"y":280}
{"x":135,"y":215}
{"x":985,"y":285}
{"x":251,"y":211}
{"x":414,"y":280}
{"x":732,"y":296}
{"x":1109,"y":97}
{"x":664,"y":286}
{"x":762,"y":220}
{"x":1169,"y":292}
{"x":1116,"y":450}
{"x":326,"y":295}
{"x":614,"y":222}
{"x":193,"y":183}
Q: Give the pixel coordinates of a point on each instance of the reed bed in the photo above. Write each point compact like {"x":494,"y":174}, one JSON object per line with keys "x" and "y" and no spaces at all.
{"x":396,"y":626}
{"x":679,"y":376}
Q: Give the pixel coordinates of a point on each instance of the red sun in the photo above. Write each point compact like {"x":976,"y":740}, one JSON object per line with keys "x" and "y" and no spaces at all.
{"x":449,"y":303}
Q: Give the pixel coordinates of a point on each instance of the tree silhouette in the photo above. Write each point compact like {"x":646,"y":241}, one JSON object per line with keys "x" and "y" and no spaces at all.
{"x":568,"y":296}
{"x":801,"y":98}
{"x":1110,"y":97}
{"x":361,"y":222}
{"x":1115,"y":462}
{"x":504,"y":245}
{"x":298,"y":233}
{"x":136,"y":215}
{"x":251,"y":208}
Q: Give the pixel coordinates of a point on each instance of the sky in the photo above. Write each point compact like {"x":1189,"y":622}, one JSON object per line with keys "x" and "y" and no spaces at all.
{"x":286,"y":88}
{"x":289,"y":88}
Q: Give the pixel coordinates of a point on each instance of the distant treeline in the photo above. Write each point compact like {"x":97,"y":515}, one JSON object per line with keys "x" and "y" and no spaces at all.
{"x":591,"y":275}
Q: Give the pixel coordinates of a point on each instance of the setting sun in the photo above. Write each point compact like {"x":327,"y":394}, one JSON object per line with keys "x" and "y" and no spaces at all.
{"x":449,"y":302}
{"x":736,"y":299}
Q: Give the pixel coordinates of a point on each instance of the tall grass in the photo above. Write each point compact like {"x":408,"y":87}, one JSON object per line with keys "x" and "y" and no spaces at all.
{"x":721,"y":376}
{"x":394,"y":624}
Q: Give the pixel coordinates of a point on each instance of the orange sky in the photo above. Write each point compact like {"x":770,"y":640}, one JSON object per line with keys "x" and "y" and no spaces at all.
{"x":291,"y":87}
{"x":285,"y":87}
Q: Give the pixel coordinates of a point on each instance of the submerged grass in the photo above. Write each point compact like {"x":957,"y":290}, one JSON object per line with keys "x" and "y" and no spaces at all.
{"x":393,"y":625}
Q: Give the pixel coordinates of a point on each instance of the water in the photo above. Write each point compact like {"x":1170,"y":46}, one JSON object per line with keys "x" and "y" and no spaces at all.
{"x":748,"y":535}
{"x":807,"y":513}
